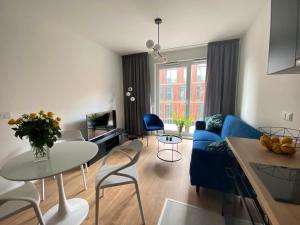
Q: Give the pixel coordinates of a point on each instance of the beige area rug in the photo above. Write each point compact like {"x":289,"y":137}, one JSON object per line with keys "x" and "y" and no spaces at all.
{"x":179,"y":213}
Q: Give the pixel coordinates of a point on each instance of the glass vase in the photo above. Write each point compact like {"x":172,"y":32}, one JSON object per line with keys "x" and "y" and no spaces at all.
{"x":40,"y":153}
{"x":179,"y":131}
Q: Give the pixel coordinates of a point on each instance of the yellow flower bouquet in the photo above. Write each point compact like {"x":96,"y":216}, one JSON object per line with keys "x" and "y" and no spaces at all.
{"x":42,"y":129}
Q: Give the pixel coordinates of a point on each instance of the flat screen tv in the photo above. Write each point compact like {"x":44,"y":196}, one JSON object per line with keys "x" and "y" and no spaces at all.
{"x":100,"y":123}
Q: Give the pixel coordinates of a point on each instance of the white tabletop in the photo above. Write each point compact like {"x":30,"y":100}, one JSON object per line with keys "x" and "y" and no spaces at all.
{"x":63,"y":157}
{"x":175,"y":139}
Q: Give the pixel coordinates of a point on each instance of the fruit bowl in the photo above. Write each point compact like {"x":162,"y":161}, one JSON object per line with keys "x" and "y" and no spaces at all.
{"x":284,"y":145}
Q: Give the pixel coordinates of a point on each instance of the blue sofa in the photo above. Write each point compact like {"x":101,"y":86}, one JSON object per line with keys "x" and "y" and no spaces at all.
{"x":207,"y":168}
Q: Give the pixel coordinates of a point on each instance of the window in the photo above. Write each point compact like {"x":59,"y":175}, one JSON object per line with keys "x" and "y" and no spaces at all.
{"x":160,"y":92}
{"x":181,"y":90}
{"x":198,"y":92}
{"x":182,"y":93}
{"x":201,"y":72}
{"x":171,"y":76}
{"x":160,"y":109}
{"x":169,"y":112}
{"x":200,"y":110}
{"x":169,"y":93}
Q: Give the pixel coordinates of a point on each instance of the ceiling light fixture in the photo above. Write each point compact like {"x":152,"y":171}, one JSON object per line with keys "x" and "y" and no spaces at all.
{"x":156,"y":47}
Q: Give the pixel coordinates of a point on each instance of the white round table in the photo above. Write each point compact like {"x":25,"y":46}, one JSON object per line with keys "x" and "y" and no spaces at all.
{"x":169,"y":140}
{"x":64,"y":156}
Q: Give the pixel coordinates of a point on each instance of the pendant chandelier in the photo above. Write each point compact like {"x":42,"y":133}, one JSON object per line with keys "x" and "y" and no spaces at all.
{"x":156,"y":47}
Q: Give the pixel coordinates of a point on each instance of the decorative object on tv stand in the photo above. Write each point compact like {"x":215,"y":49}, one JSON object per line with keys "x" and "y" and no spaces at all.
{"x":93,"y":119}
{"x":181,"y":122}
{"x":156,"y":47}
{"x":42,"y":130}
{"x":128,"y":94}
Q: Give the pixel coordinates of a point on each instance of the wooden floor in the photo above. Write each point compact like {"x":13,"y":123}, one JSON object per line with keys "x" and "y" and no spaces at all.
{"x":157,"y":180}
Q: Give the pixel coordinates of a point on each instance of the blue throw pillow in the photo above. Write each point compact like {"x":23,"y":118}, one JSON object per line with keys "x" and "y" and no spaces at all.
{"x":217,"y":146}
{"x":214,"y":123}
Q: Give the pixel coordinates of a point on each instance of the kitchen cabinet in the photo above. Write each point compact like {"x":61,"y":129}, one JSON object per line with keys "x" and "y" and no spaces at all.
{"x":284,"y":37}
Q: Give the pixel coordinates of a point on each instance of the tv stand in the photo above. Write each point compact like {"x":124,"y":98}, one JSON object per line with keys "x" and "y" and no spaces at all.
{"x":106,"y":142}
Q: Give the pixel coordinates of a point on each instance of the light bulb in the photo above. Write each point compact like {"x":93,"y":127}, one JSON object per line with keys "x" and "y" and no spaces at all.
{"x":156,"y":47}
{"x":130,"y":88}
{"x":132,"y":99}
{"x":127,"y":93}
{"x":150,"y":44}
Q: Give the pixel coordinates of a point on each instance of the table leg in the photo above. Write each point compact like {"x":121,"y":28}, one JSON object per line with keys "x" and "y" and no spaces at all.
{"x":172,"y":153}
{"x":63,"y":206}
{"x":67,"y":211}
{"x":158,"y":147}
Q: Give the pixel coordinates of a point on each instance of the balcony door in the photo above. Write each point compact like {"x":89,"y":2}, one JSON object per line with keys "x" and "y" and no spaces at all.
{"x":181,"y":90}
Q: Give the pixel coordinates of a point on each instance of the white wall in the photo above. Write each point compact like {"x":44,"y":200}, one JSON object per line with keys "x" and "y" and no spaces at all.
{"x":199,"y":52}
{"x":45,"y":66}
{"x":262,"y":97}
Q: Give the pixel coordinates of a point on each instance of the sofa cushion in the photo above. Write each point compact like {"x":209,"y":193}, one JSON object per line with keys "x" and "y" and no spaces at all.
{"x":217,"y":146}
{"x":203,"y":135}
{"x":214,"y":123}
{"x":235,"y":127}
{"x":201,"y":145}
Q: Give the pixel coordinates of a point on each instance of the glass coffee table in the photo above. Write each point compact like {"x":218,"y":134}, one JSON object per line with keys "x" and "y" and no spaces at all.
{"x":169,"y":154}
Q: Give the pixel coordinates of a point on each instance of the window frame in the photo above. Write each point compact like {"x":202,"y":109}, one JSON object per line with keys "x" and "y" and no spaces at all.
{"x":188,"y":64}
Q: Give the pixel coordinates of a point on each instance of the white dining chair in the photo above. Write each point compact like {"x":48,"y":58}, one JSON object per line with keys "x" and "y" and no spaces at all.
{"x":115,"y":175}
{"x":20,"y":198}
{"x":69,"y":135}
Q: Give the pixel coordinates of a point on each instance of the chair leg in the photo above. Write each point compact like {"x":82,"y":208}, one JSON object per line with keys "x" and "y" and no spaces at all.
{"x":97,"y":207}
{"x":43,"y":189}
{"x":86,"y":167}
{"x":139,"y":200}
{"x":83,"y":177}
{"x":38,"y":214}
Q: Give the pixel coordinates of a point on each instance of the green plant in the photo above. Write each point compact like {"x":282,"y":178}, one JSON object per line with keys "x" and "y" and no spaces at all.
{"x":181,"y":122}
{"x":40,"y":128}
{"x":93,"y":117}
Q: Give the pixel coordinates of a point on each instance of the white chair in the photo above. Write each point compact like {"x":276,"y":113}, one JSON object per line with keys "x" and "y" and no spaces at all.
{"x":115,"y":175}
{"x":69,"y":135}
{"x":19,"y":199}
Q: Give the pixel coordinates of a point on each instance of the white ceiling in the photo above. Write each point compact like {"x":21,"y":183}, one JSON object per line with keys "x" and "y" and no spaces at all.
{"x":125,"y":25}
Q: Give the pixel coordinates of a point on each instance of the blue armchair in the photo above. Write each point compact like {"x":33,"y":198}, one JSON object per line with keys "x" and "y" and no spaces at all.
{"x":152,"y":122}
{"x":207,"y":168}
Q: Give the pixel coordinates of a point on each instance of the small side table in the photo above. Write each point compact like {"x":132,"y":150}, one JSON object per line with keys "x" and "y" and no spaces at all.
{"x":169,"y":140}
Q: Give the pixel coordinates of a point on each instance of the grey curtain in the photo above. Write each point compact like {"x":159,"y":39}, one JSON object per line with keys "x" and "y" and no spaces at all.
{"x":136,"y":75}
{"x":221,"y":76}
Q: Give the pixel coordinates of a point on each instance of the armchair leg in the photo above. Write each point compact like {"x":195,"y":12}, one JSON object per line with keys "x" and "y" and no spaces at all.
{"x":197,"y":189}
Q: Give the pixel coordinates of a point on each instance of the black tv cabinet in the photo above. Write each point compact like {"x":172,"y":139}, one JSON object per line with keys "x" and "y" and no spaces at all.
{"x":106,"y":142}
